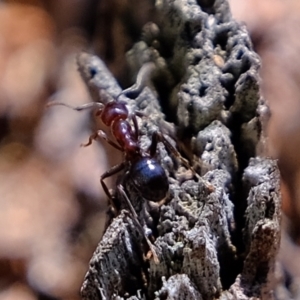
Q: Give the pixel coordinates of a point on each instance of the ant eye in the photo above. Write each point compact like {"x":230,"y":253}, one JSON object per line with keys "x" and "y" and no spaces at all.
{"x":93,"y":71}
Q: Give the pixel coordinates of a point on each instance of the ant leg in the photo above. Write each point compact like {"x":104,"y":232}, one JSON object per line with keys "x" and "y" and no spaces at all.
{"x":90,"y":105}
{"x":136,"y":126}
{"x":159,"y":137}
{"x":135,"y":218}
{"x":140,"y":114}
{"x":114,"y":170}
{"x":135,"y":123}
{"x":101,"y":134}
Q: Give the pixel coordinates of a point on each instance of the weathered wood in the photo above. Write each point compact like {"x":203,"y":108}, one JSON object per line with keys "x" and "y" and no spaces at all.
{"x":215,"y":237}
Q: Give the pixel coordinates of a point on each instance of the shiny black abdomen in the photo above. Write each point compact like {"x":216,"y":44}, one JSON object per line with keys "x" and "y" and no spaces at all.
{"x":149,"y":179}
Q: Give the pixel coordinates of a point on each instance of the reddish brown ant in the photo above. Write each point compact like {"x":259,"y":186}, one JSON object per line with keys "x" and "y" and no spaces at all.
{"x":147,"y":176}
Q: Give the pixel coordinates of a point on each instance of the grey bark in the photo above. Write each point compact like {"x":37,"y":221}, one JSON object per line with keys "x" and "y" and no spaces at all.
{"x":215,"y":237}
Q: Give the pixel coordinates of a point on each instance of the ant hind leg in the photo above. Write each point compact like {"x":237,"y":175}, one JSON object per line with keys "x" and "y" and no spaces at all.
{"x":135,"y":218}
{"x":159,"y":137}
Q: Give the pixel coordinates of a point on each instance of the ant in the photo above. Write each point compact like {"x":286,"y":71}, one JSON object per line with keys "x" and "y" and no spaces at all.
{"x":148,"y":177}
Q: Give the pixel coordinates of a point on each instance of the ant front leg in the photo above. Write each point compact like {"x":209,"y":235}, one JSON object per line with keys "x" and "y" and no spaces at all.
{"x":133,"y":116}
{"x":114,"y":170}
{"x":101,"y":134}
{"x":135,"y":125}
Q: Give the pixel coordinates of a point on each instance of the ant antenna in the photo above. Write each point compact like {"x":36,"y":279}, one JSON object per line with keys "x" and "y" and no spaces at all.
{"x":91,"y":105}
{"x":142,"y":77}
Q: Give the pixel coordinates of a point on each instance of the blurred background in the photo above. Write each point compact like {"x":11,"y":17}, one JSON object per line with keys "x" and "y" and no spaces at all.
{"x":51,"y":205}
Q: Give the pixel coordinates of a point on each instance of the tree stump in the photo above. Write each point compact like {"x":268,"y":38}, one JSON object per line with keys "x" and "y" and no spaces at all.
{"x":217,"y":235}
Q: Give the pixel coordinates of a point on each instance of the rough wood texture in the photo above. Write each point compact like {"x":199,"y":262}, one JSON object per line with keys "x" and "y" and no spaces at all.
{"x":215,"y":237}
